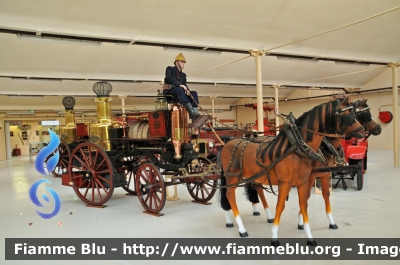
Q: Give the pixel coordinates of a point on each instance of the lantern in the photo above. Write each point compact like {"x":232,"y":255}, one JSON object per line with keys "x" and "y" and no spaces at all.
{"x":161,"y":103}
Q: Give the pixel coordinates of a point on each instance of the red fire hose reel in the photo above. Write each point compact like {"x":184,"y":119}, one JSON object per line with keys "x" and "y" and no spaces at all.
{"x":385,"y":116}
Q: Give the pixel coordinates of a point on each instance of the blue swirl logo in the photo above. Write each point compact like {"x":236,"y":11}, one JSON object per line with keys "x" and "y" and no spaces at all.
{"x":42,"y":166}
{"x":51,"y":154}
{"x":35,"y":200}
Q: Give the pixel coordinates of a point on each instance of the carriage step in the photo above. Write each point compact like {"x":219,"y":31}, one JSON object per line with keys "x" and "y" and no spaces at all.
{"x":200,"y":121}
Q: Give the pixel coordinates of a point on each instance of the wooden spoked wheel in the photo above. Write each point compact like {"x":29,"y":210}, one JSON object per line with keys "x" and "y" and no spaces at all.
{"x":131,"y":164}
{"x":205,"y":189}
{"x":360,"y":175}
{"x":150,"y":188}
{"x":62,"y":165}
{"x":91,"y":174}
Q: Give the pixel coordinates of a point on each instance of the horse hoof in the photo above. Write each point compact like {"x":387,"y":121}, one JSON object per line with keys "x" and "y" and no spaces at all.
{"x":270,"y":221}
{"x":275,"y":243}
{"x":256,"y":213}
{"x":311,"y":242}
{"x":300,"y":227}
{"x":229,"y":225}
{"x":334,"y":226}
{"x":243,"y":234}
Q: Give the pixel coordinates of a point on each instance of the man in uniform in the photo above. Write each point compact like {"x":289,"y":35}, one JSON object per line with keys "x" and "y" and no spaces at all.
{"x":175,"y":85}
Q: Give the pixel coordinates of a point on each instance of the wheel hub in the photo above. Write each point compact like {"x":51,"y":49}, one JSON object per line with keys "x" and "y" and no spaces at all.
{"x":88,"y":176}
{"x":145,"y":189}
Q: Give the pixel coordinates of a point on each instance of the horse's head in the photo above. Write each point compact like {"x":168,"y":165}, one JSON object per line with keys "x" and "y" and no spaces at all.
{"x":363,"y":114}
{"x":346,"y":123}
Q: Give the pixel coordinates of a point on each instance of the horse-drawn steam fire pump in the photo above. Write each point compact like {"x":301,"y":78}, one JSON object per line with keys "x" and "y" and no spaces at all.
{"x":137,"y":148}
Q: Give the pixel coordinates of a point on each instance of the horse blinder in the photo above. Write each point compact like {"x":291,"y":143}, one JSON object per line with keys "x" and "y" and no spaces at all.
{"x":364,"y":116}
{"x":347,"y":119}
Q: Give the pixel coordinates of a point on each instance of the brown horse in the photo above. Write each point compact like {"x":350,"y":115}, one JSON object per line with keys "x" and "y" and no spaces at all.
{"x":330,"y":151}
{"x":282,"y":162}
{"x":363,"y":115}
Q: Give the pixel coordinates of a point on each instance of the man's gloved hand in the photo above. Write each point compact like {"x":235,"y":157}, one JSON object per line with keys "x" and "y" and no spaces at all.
{"x":187,"y":92}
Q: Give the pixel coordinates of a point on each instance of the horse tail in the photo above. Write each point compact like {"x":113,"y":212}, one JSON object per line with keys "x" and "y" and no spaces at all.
{"x":223,"y":200}
{"x":251,"y":193}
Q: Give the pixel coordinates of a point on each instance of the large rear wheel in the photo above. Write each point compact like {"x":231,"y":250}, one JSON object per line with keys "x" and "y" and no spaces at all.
{"x":91,"y":174}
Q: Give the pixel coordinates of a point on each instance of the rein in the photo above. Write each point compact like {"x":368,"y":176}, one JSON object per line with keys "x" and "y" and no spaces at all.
{"x":334,"y":135}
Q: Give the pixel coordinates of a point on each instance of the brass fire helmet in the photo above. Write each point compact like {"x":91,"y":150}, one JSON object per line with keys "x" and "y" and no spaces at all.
{"x":180,"y":57}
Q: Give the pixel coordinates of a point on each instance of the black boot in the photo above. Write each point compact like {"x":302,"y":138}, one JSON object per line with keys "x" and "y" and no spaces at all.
{"x":192,"y":114}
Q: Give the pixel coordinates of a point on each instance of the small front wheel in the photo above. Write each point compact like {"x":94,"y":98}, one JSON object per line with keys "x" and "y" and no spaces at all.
{"x":204,"y":189}
{"x":150,"y":188}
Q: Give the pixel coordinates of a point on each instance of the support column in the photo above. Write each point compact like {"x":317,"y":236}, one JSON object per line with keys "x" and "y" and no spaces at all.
{"x":260,"y":110}
{"x":7,"y":138}
{"x":395,"y":89}
{"x":212,"y":109}
{"x":276,"y":87}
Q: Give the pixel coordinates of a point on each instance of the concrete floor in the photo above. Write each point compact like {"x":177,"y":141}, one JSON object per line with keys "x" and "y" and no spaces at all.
{"x":372,"y":212}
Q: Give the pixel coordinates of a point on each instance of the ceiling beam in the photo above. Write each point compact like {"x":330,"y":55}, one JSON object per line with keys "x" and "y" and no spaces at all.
{"x":182,"y":46}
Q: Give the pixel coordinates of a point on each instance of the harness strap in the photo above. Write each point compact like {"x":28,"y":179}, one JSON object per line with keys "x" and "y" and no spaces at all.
{"x":353,"y":133}
{"x":264,"y":170}
{"x":331,"y":150}
{"x":241,"y":158}
{"x":231,"y":160}
{"x":301,"y":147}
{"x":340,"y":159}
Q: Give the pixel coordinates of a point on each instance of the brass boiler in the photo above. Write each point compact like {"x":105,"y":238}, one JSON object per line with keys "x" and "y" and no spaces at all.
{"x":179,"y":130}
{"x":68,"y":132}
{"x":98,"y":132}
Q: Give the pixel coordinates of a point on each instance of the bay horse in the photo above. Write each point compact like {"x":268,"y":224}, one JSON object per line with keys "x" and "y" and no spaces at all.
{"x":362,"y":113}
{"x":332,"y":152}
{"x":286,"y":161}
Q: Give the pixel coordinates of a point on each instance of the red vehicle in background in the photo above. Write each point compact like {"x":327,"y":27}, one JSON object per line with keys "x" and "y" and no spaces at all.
{"x":269,"y":124}
{"x":213,"y":140}
{"x":225,"y":134}
{"x":355,"y":153}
